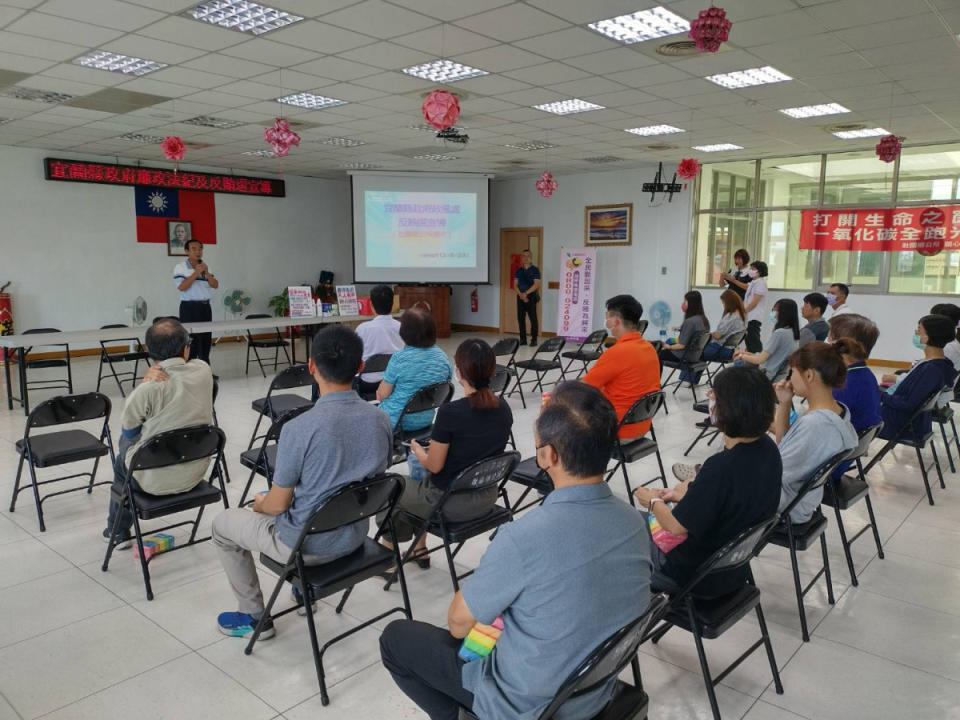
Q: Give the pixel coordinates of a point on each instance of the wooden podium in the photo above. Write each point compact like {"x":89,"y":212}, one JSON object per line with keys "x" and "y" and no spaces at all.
{"x":435,"y":299}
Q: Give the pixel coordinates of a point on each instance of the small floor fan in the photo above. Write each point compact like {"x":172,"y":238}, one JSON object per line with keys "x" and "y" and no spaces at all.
{"x":137,"y":311}
{"x":235,"y":303}
{"x":660,"y":316}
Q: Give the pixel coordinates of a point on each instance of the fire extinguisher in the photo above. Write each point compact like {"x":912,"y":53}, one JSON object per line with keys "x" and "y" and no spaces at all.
{"x":6,"y":317}
{"x":474,"y":301}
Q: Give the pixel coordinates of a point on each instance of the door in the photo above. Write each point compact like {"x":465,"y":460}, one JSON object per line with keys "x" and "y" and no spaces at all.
{"x":513,"y":241}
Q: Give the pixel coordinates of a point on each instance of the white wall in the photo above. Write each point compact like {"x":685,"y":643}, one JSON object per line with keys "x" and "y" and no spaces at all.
{"x":71,"y":249}
{"x":660,"y":239}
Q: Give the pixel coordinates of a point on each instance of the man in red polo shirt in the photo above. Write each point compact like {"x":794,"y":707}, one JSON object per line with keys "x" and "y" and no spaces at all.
{"x":628,"y":370}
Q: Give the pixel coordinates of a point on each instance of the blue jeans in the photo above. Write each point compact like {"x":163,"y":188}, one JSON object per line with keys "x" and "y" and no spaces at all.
{"x":713,"y":352}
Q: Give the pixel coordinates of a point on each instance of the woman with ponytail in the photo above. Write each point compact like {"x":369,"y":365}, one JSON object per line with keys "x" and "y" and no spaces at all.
{"x":465,"y":431}
{"x":823,"y":431}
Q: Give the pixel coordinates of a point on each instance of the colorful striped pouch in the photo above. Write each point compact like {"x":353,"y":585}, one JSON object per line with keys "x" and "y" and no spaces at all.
{"x":480,"y":640}
{"x":664,"y":540}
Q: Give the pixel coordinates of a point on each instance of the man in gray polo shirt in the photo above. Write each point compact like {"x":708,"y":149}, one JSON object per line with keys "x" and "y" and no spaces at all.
{"x":565,"y":576}
{"x":341,"y":440}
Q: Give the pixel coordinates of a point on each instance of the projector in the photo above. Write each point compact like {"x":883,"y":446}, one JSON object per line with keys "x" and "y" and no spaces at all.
{"x":453,"y":135}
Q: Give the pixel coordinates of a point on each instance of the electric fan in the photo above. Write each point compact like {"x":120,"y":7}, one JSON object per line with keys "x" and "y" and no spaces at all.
{"x":660,"y":316}
{"x":236,"y":300}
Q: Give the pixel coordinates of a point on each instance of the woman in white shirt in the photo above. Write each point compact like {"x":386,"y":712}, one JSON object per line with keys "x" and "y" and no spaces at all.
{"x":755,"y":303}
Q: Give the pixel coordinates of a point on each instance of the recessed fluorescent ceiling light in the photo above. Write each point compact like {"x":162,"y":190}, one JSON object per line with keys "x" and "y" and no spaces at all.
{"x":438,"y":158}
{"x":568,"y":107}
{"x":139,"y":138}
{"x":814,"y":110}
{"x":214,"y":122}
{"x":530,"y":146}
{"x":118,"y":63}
{"x":311,"y":101}
{"x":717,"y":148}
{"x":654,"y":130}
{"x":747,"y":78}
{"x":342,"y":142}
{"x":865,"y":133}
{"x":444,"y":71}
{"x":44,"y":96}
{"x":242,"y":16}
{"x":260,"y":153}
{"x":644,"y":25}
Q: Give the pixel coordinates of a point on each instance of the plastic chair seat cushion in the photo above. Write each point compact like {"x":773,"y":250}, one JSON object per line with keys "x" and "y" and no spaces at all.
{"x":63,"y":446}
{"x":585,"y":355}
{"x":279,"y":405}
{"x":628,"y":702}
{"x":151,"y":506}
{"x":527,"y":473}
{"x":844,"y":492}
{"x":509,"y":369}
{"x":538,"y":365}
{"x":804,"y":534}
{"x":366,"y":561}
{"x":466,"y":529}
{"x":697,"y":365}
{"x":915,"y":442}
{"x":716,"y":615}
{"x":125,"y":356}
{"x":249,"y":459}
{"x":636,"y":448}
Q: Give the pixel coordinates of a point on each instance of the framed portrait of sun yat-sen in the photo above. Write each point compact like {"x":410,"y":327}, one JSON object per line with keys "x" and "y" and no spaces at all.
{"x":608,"y":224}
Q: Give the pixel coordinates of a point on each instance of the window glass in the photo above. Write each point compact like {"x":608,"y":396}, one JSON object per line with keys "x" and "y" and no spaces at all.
{"x":929,"y":174}
{"x":857,"y":178}
{"x":719,"y":236}
{"x":727,"y":185}
{"x":790,"y":267}
{"x":911,"y":272}
{"x":790,"y":182}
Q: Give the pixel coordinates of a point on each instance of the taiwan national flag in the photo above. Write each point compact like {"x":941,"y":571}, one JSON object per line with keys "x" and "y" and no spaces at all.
{"x":161,"y":210}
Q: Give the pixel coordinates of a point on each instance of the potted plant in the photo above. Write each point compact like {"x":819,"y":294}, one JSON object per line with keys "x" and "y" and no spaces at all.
{"x":280,"y":304}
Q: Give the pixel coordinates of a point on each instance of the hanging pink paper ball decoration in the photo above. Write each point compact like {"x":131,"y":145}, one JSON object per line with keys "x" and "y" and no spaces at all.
{"x":888,"y":148}
{"x":173,"y":148}
{"x":441,"y":109}
{"x":546,"y":184}
{"x":688,"y":168}
{"x":281,"y":137}
{"x":710,"y":29}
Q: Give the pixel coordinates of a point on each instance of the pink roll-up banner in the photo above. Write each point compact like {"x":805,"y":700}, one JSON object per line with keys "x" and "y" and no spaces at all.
{"x":578,"y":272}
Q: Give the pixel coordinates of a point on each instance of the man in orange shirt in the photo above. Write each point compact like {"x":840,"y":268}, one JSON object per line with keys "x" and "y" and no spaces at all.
{"x":628,"y":370}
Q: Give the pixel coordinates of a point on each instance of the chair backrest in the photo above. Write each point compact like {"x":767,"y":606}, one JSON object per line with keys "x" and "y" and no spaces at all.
{"x":782,"y":372}
{"x":733,"y":341}
{"x":500,"y":380}
{"x":642,"y":326}
{"x":816,"y":479}
{"x":486,"y":473}
{"x":216,"y":390}
{"x":597,"y":339}
{"x":643,"y":409}
{"x":866,"y":436}
{"x":551,"y":345}
{"x":376,"y":363}
{"x":352,"y":503}
{"x":291,"y":377}
{"x":257,"y":316}
{"x":691,"y":353}
{"x":175,"y":447}
{"x":113,"y":326}
{"x":428,"y":398}
{"x":609,"y":657}
{"x":65,"y":409}
{"x":273,"y":434}
{"x":507,"y":346}
{"x":38,"y":331}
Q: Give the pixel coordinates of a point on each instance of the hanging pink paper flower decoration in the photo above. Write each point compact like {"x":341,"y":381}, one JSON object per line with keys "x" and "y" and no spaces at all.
{"x":688,"y":168}
{"x":710,"y":29}
{"x":173,"y":148}
{"x":888,"y":148}
{"x":546,"y":184}
{"x":281,"y":137}
{"x":441,"y":109}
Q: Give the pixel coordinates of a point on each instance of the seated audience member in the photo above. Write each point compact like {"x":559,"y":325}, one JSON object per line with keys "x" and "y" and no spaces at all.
{"x":912,"y":388}
{"x":814,"y":305}
{"x":564,"y":576}
{"x":176,"y":392}
{"x":755,"y":303}
{"x":629,"y":370}
{"x":381,"y":336}
{"x":822,"y":431}
{"x":472,"y":428}
{"x":783,"y":341}
{"x":694,"y":324}
{"x":734,"y":321}
{"x":419,"y":364}
{"x":855,"y":336}
{"x":340,"y":440}
{"x":733,"y":491}
{"x":837,"y":299}
{"x":952,"y":349}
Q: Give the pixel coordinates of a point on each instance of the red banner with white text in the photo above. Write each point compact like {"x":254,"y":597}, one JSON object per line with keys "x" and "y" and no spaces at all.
{"x":926,"y":230}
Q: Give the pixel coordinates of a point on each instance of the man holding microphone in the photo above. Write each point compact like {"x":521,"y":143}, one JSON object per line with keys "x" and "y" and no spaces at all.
{"x":194,"y":281}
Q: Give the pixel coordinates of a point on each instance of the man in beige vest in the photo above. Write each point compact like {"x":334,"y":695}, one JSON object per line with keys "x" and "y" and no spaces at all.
{"x":175,"y":393}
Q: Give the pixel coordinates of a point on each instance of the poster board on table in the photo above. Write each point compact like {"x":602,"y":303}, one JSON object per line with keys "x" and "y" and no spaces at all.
{"x":347,"y":300}
{"x":578,"y":269}
{"x":301,"y":301}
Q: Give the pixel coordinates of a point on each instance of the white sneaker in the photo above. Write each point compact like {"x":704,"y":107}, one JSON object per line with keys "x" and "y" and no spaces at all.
{"x":684,"y":471}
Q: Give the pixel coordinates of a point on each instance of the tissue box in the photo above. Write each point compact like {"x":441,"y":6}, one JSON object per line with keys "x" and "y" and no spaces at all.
{"x":154,"y":545}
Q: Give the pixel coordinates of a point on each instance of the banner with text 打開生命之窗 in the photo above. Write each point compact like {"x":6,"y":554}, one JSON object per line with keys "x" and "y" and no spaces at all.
{"x":926,"y":230}
{"x":578,"y":271}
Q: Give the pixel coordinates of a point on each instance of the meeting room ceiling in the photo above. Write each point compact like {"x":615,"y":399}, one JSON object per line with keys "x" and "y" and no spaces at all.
{"x":894,"y":64}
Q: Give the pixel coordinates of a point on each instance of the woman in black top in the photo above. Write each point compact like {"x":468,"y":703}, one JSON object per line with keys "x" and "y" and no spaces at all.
{"x":734,"y":490}
{"x":738,"y":278}
{"x":467,"y":430}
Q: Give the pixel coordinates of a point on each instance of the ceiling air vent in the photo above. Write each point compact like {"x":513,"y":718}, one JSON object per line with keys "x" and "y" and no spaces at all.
{"x":678,"y":48}
{"x":844,"y":127}
{"x":657,"y":147}
{"x":602,"y":159}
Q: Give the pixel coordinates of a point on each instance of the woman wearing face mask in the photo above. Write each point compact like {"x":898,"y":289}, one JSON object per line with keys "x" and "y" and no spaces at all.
{"x":821,"y":432}
{"x":733,"y":322}
{"x":952,"y":349}
{"x":783,"y":341}
{"x":723,"y":500}
{"x":755,"y":303}
{"x":912,"y":388}
{"x":694,"y":323}
{"x":738,"y":278}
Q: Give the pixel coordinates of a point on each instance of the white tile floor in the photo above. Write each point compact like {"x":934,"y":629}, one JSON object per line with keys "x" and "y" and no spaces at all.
{"x":79,"y":643}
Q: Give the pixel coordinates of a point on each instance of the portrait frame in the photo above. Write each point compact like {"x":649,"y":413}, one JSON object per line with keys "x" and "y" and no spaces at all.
{"x":174,"y":245}
{"x":608,"y":225}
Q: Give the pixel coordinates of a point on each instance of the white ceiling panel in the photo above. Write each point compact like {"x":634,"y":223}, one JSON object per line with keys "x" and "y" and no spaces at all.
{"x":387,"y":55}
{"x":513,"y":22}
{"x":446,"y":10}
{"x":395,"y":82}
{"x":611,"y":61}
{"x":56,"y":28}
{"x":567,"y":43}
{"x":108,"y":13}
{"x":227,"y":65}
{"x":150,"y":48}
{"x":581,"y":13}
{"x":851,"y":13}
{"x":182,"y":31}
{"x":491,"y":85}
{"x":268,"y":52}
{"x":43,"y":48}
{"x":380,"y":19}
{"x":444,"y":40}
{"x":337,"y":68}
{"x":499,"y":58}
{"x":547,"y":74}
{"x":320,"y":37}
{"x":22,"y":63}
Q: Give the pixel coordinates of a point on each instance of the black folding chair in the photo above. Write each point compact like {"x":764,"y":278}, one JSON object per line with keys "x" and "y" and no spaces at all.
{"x":425,"y":399}
{"x":690,"y":361}
{"x":173,"y":447}
{"x":943,"y":415}
{"x":265,"y":340}
{"x":498,"y":385}
{"x":263,"y":460}
{"x":642,"y":326}
{"x":731,"y":343}
{"x":711,"y":617}
{"x":918,"y":443}
{"x":539,"y":366}
{"x":373,"y":364}
{"x":110,"y":359}
{"x":483,"y":476}
{"x":531,"y":478}
{"x":603,"y":665}
{"x":707,"y":428}
{"x":801,"y":536}
{"x":587,"y":352}
{"x":60,"y":447}
{"x":508,"y":348}
{"x":274,"y":405}
{"x":844,"y":492}
{"x":633,"y":449}
{"x":349,"y":504}
{"x":23,"y":357}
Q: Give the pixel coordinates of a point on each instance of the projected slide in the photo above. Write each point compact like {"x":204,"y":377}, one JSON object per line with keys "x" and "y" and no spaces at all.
{"x":420,"y":229}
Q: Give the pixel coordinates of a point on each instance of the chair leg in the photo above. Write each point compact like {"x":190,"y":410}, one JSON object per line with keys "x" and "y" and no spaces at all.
{"x":246,"y":488}
{"x":315,"y":645}
{"x":36,"y":494}
{"x":247,"y":371}
{"x":663,"y":474}
{"x":93,"y":475}
{"x":116,"y":378}
{"x":946,"y":446}
{"x":267,"y":613}
{"x":626,"y":481}
{"x":936,"y":462}
{"x":112,"y":542}
{"x":923,"y":474}
{"x":873,"y":526}
{"x":256,"y":354}
{"x":826,"y":568}
{"x":16,"y":484}
{"x":798,"y":588}
{"x":450,"y":565}
{"x":846,"y":546}
{"x":778,"y":686}
{"x":255,"y":429}
{"x":99,"y":372}
{"x":704,"y":667}
{"x":698,"y":438}
{"x":69,"y":372}
{"x":139,"y":536}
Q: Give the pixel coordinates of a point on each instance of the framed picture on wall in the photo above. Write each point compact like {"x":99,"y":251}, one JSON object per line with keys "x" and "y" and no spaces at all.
{"x":608,"y":224}
{"x":178,"y":232}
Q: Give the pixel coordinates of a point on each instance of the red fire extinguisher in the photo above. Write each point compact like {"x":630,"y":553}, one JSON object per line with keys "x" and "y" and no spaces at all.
{"x":474,"y":301}
{"x":6,"y":317}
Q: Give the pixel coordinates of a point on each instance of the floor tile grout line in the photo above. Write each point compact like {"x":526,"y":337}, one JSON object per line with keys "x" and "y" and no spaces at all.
{"x":15,"y":711}
{"x":890,"y":660}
